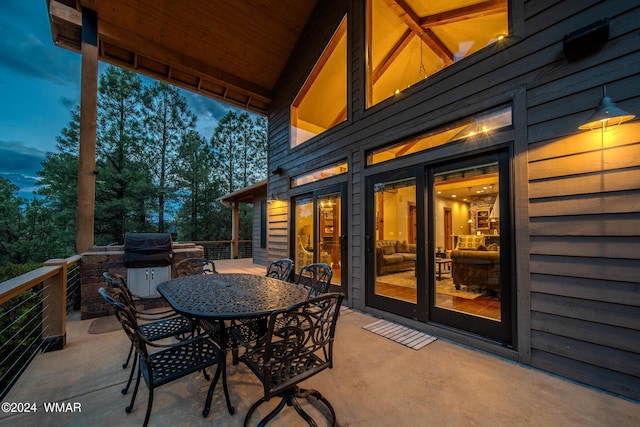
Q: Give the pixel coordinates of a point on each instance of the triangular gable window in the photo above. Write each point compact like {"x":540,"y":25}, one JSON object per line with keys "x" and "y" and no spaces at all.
{"x":322,"y":101}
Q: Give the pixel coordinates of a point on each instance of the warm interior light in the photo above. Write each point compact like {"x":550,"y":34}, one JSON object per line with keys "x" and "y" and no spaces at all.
{"x":607,"y":114}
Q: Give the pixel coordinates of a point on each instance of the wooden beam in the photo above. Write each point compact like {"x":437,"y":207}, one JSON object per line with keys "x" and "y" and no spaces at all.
{"x":486,"y":8}
{"x":412,"y":20}
{"x":64,"y":13}
{"x":391,"y":56}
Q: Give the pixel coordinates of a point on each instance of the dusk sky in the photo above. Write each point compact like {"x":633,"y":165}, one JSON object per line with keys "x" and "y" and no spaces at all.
{"x":40,"y":86}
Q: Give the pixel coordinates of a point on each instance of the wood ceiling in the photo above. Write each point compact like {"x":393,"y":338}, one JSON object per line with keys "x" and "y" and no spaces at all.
{"x":231,"y":50}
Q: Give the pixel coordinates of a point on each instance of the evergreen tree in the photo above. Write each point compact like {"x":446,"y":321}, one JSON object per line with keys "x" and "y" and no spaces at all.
{"x":58,"y":185}
{"x":123,"y":185}
{"x":167,"y":121}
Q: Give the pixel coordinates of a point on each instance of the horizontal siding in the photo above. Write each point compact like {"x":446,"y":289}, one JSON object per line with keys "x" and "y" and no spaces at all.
{"x":625,"y":293}
{"x":606,"y":379}
{"x":584,"y":212}
{"x":627,"y":247}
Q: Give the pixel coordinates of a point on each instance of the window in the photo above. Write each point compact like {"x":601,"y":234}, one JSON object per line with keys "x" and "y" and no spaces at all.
{"x":480,"y":125}
{"x":320,"y":174}
{"x":409,"y":41}
{"x":322,"y":102}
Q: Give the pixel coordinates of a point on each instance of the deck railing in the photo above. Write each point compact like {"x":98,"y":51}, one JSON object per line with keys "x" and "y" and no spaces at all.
{"x":222,"y":249}
{"x":33,"y":311}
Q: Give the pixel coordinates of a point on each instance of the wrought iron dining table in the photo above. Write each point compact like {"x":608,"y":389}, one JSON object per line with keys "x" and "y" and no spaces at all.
{"x":230,"y":296}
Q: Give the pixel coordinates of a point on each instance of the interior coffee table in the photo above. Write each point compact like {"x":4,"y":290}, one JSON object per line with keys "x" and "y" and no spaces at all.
{"x":439,"y":263}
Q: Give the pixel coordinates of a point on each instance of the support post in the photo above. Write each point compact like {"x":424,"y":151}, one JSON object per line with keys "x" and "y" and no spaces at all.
{"x":88,"y":126}
{"x":54,"y":310}
{"x":235,"y":231}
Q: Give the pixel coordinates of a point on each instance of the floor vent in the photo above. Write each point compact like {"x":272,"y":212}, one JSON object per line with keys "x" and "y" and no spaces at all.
{"x":408,"y":337}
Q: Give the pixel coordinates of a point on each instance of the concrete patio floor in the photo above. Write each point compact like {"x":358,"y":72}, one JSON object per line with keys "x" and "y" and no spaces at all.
{"x":374,"y":382}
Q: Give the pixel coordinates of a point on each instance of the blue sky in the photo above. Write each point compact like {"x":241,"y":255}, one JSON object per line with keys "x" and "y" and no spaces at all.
{"x":40,"y":85}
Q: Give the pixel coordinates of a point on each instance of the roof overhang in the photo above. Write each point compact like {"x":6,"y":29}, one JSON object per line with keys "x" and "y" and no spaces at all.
{"x":246,"y":194}
{"x":233,"y":51}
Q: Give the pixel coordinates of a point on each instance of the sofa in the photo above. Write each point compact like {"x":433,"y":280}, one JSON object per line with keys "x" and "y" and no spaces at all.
{"x":393,"y":256}
{"x":475,"y":264}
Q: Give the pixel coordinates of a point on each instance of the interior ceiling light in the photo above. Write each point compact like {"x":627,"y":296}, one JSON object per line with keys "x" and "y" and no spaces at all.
{"x":607,"y":114}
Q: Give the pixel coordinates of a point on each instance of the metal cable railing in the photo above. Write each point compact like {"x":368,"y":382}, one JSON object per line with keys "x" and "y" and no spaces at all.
{"x":221,"y":249}
{"x":22,"y":325}
{"x":21,"y":336}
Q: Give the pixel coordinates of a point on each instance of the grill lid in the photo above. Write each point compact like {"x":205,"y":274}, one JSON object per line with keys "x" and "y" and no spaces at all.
{"x":147,"y":250}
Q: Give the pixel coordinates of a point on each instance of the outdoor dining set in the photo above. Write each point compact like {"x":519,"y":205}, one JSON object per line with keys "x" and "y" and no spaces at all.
{"x":282,"y":331}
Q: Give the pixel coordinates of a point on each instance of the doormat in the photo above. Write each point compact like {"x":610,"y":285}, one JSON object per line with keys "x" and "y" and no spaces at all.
{"x":408,"y":337}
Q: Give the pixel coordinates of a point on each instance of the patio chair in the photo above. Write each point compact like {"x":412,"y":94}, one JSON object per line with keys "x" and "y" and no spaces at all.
{"x":316,"y":278}
{"x":157,"y":325}
{"x":172,"y":361}
{"x":193,"y":266}
{"x":280,"y":269}
{"x":298,"y":344}
{"x":250,"y":329}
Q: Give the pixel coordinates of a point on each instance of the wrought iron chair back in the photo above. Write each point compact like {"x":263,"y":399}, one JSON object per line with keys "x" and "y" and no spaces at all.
{"x":298,"y":344}
{"x":193,"y":266}
{"x":316,"y":278}
{"x":159,"y":324}
{"x":173,"y":361}
{"x":280,"y":269}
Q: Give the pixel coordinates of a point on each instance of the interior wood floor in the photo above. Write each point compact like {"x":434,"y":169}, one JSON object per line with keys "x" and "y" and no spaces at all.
{"x":484,"y":306}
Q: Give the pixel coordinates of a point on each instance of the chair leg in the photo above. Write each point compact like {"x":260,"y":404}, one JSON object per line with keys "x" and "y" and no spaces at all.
{"x":126,"y":363}
{"x":250,"y":411}
{"x":149,"y":405}
{"x":302,"y":393}
{"x":135,"y":392}
{"x":302,"y":413}
{"x":271,"y":415}
{"x":133,"y":369}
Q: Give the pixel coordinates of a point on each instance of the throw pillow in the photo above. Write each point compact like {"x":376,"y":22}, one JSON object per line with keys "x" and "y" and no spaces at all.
{"x":388,"y":250}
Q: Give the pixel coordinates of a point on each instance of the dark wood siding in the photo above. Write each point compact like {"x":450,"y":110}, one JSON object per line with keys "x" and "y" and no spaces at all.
{"x":577,"y":195}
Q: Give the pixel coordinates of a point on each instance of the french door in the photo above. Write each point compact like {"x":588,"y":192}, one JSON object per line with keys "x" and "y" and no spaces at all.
{"x":319,"y":224}
{"x":438,"y":244}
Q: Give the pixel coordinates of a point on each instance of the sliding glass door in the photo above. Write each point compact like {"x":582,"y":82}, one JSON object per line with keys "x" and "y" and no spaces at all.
{"x":438,"y":244}
{"x":394,"y":247}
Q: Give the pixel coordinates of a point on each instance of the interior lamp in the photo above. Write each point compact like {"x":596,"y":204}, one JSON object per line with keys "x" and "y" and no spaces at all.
{"x":607,"y":114}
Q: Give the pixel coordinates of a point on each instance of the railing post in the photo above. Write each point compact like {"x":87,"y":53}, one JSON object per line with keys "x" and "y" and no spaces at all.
{"x":54,"y":310}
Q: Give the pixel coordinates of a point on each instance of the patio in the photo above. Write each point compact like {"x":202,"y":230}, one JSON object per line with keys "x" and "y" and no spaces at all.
{"x":375,"y":382}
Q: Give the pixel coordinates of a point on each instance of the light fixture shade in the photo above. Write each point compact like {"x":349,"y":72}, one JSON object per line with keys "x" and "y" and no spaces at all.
{"x":607,"y":114}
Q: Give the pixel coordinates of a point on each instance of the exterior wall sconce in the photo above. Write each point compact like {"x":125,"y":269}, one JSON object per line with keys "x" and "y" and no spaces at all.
{"x":272,"y":198}
{"x":278,"y":171}
{"x":606,"y":115}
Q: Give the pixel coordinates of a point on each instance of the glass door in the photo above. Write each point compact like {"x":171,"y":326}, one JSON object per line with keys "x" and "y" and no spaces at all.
{"x":393,"y":244}
{"x":319,"y":224}
{"x":470,"y":287}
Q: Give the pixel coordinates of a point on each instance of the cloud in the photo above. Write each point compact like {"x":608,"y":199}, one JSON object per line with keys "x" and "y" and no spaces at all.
{"x":20,"y":164}
{"x":26,"y":45}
